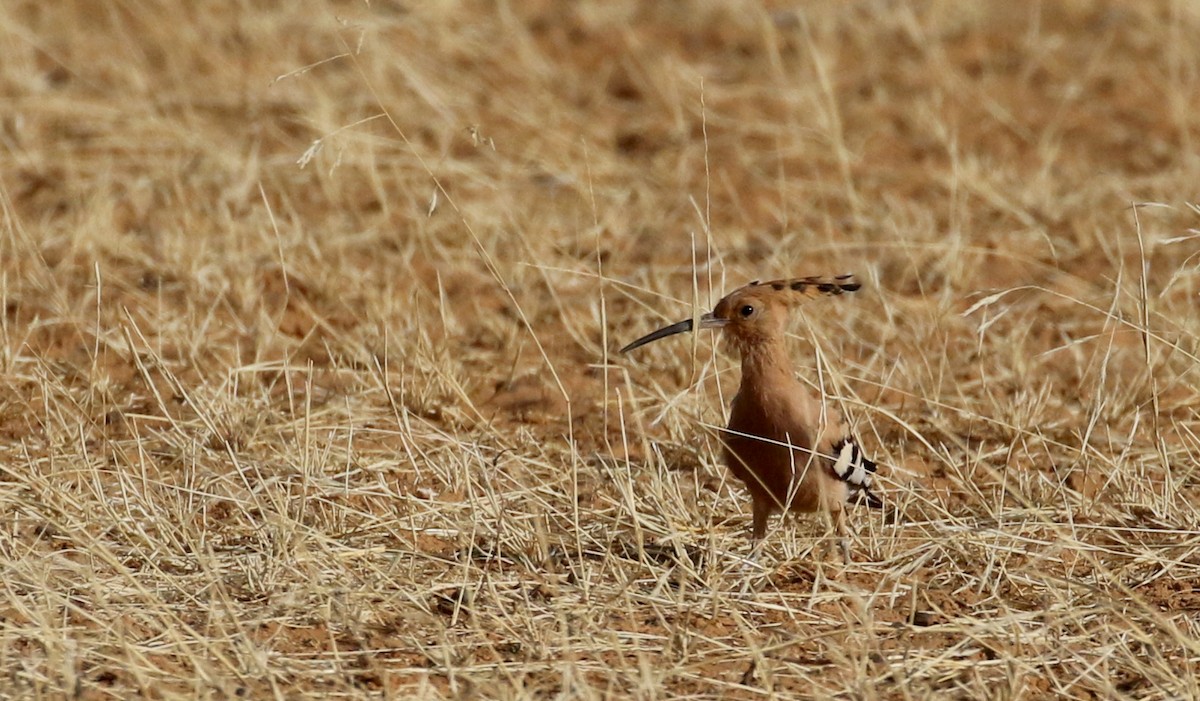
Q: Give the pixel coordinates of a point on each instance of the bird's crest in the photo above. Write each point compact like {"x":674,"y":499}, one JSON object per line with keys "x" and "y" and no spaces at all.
{"x":801,"y":288}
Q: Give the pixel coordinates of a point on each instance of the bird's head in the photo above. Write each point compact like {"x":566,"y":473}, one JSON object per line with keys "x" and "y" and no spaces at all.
{"x":758,"y":312}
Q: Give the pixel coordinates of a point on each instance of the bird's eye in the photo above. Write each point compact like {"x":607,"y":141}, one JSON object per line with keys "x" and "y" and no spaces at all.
{"x":746,"y":311}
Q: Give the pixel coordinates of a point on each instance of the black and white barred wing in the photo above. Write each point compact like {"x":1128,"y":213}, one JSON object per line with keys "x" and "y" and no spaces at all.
{"x":853,"y":468}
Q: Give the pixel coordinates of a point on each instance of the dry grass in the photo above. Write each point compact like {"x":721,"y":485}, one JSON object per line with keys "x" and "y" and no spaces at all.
{"x":354,"y":426}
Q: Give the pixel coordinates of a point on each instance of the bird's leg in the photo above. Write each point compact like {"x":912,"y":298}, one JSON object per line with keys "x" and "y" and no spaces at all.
{"x":843,"y":536}
{"x":762,"y":513}
{"x":837,"y":533}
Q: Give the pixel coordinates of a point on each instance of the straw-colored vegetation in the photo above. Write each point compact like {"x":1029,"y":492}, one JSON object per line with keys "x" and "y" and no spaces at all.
{"x":309,"y":309}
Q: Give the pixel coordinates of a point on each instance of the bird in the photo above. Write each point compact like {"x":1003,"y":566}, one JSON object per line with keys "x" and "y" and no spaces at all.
{"x":793,"y":452}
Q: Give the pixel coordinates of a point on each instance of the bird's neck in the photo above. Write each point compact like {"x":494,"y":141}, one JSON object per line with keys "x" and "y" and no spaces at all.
{"x":766,"y":364}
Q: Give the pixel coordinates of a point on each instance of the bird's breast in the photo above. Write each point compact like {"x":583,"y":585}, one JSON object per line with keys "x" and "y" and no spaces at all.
{"x":766,"y":434}
{"x":771,"y":453}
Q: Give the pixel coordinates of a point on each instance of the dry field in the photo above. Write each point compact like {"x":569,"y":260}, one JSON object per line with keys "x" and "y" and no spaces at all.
{"x":310,"y":309}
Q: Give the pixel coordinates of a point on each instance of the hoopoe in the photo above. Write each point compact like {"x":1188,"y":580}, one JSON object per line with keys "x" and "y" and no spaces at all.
{"x":792,"y":451}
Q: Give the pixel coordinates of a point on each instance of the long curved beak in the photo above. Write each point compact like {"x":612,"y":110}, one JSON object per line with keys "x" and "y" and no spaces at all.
{"x":707,"y":321}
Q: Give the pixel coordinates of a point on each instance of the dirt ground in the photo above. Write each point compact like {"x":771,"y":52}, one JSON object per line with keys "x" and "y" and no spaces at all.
{"x":308,"y":370}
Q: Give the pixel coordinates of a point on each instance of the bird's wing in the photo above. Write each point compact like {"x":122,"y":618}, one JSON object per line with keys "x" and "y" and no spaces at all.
{"x":856,"y":470}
